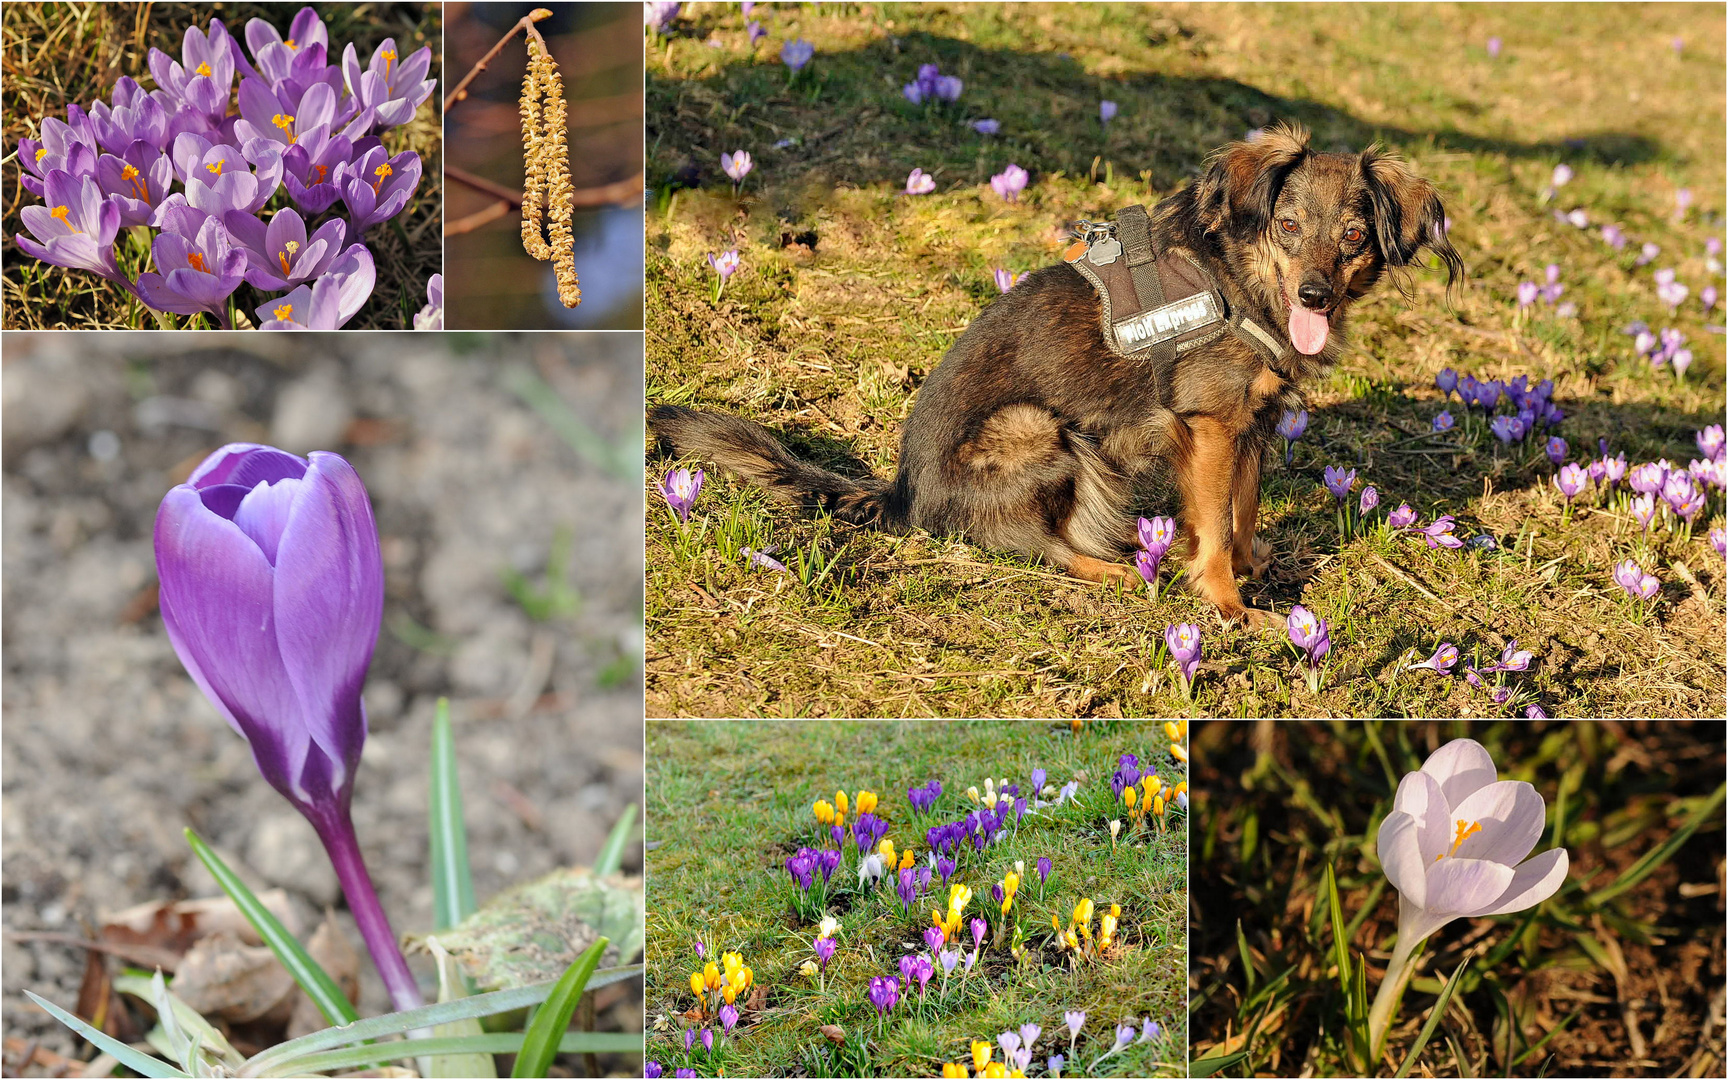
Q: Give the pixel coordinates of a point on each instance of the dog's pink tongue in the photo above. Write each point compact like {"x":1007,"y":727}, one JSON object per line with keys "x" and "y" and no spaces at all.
{"x":1308,"y":329}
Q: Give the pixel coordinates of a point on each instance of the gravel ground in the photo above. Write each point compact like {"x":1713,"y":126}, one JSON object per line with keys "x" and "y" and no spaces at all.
{"x":109,"y":749}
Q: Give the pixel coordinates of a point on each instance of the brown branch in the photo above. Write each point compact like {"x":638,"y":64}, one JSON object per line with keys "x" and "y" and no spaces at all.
{"x":526,"y":23}
{"x":480,"y":217}
{"x":619,"y":192}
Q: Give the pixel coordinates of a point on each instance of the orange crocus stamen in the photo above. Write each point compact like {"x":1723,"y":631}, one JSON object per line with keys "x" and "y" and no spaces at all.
{"x":202,"y":69}
{"x":290,"y":43}
{"x":195,"y":260}
{"x":215,"y":167}
{"x":61,"y":212}
{"x":323,"y":171}
{"x":389,"y":56}
{"x":131,"y":173}
{"x":286,"y":124}
{"x":380,"y":172}
{"x":282,"y":256}
{"x":283,"y":312}
{"x":41,"y":152}
{"x":1464,"y":831}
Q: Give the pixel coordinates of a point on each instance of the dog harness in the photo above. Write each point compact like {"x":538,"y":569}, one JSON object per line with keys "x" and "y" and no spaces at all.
{"x":1157,"y":305}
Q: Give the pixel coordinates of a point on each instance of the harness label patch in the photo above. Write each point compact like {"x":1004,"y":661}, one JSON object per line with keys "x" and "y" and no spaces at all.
{"x":1163,"y":323}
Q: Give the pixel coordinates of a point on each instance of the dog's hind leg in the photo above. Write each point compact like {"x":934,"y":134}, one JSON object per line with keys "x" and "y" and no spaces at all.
{"x":1248,"y":553}
{"x":1206,"y":472}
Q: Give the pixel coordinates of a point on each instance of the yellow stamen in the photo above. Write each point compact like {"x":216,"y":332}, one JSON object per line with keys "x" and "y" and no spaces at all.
{"x":290,"y":43}
{"x":389,"y":56}
{"x":195,"y":260}
{"x":285,"y":123}
{"x":1465,"y":830}
{"x":202,"y":69}
{"x":282,"y":256}
{"x":41,"y":152}
{"x":61,"y":212}
{"x":380,"y":172}
{"x":283,"y":312}
{"x":128,"y":172}
{"x":215,"y":167}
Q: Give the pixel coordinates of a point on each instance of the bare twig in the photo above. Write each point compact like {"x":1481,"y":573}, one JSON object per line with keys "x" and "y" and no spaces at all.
{"x":478,"y":218}
{"x":483,"y":185}
{"x":524,"y":24}
{"x":619,"y":192}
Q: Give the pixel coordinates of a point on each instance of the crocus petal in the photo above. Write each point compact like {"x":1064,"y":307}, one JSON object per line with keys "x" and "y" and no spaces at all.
{"x":330,"y":599}
{"x":1461,"y":766}
{"x":1533,"y":882}
{"x":1462,"y":886}
{"x":1401,"y":857}
{"x":1420,"y":797}
{"x":263,"y":514}
{"x":1512,"y":816}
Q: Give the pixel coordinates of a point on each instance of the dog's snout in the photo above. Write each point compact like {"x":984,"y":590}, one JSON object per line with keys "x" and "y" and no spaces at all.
{"x":1315,"y":291}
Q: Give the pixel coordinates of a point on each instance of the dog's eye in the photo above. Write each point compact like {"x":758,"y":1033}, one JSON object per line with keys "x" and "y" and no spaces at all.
{"x":1289,"y":225}
{"x":1353,"y":235}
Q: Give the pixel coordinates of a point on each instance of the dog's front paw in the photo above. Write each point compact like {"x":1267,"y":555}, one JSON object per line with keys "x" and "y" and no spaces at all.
{"x":1257,"y":563}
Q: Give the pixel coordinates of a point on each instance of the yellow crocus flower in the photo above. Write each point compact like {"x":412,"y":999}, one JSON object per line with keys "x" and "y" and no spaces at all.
{"x":711,"y":975}
{"x":1106,"y":931}
{"x":824,"y":811}
{"x":809,"y":969}
{"x":981,"y":1054}
{"x":1083,"y":913}
{"x":731,"y":961}
{"x":950,"y":1069}
{"x":839,"y":819}
{"x":840,"y":803}
{"x":1073,"y":942}
{"x":885,"y":848}
{"x":972,"y":793}
{"x":1152,"y":784}
{"x":1178,"y":753}
{"x":866,"y":802}
{"x":1178,"y":789}
{"x":996,"y":1069}
{"x":1010,"y":883}
{"x":1054,"y":923}
{"x":1158,"y":805}
{"x":1007,"y":902}
{"x":697,"y":986}
{"x":906,"y":859}
{"x":1116,"y":910}
{"x":730,"y":993}
{"x":1171,"y":730}
{"x":1128,"y":797}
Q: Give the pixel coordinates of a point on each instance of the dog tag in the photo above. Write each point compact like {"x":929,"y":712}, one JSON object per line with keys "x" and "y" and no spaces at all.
{"x":1105,"y":252}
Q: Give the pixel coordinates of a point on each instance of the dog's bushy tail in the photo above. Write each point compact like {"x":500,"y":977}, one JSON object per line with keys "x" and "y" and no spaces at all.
{"x":750,"y":452}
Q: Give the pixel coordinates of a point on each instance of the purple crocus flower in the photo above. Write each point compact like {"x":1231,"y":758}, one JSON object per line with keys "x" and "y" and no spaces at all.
{"x":311,"y":179}
{"x":1638,"y":585}
{"x":1442,"y":660}
{"x":756,"y":31}
{"x":1029,"y":1035}
{"x":1711,"y":442}
{"x":1708,"y":296}
{"x":1401,"y":518}
{"x":685,"y":1074}
{"x":375,"y":187}
{"x":764,"y":558}
{"x":138,"y":179}
{"x":263,"y":115}
{"x":330,"y":301}
{"x":1106,"y":111}
{"x":70,"y":150}
{"x":1055,"y":1063}
{"x":1647,"y":478}
{"x":1310,"y":633}
{"x":728,"y":1018}
{"x":1614,"y":237}
{"x":1292,"y":424}
{"x":1526,"y":293}
{"x":220,"y":178}
{"x":1644,"y":509}
{"x":1508,"y":429}
{"x":986,"y":126}
{"x":1570,"y":480}
{"x":1439,"y":534}
{"x":1614,"y":468}
{"x":1719,"y":541}
{"x":653,"y":1070}
{"x":707,"y":1040}
{"x":76,"y":228}
{"x":945,"y":866}
{"x":1036,"y":780}
{"x":1488,"y":393}
{"x":198,"y":273}
{"x":431,"y":317}
{"x":135,"y":116}
{"x":884,"y":992}
{"x":1443,"y":421}
{"x":801,"y":869}
{"x":1513,"y":658}
{"x":1446,"y":382}
{"x":918,"y":182}
{"x":660,"y":14}
{"x":1494,"y":47}
{"x":923,"y":969}
{"x":737,"y":165}
{"x":272,"y":590}
{"x":392,"y":90}
{"x":280,"y":255}
{"x":1005,"y":279}
{"x":933,"y":937}
{"x":1556,"y":447}
{"x":949,"y":88}
{"x":1010,"y":182}
{"x":979,"y":928}
{"x":1339,"y":482}
{"x":689,"y":1040}
{"x":796,"y":53}
{"x":194,"y":91}
{"x":1183,"y":641}
{"x":1647,"y":254}
{"x":1043,"y":870}
{"x":824,"y":947}
{"x":1370,"y":499}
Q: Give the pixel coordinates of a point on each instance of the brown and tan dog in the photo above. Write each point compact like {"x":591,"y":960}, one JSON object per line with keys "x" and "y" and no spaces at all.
{"x":1031,"y":432}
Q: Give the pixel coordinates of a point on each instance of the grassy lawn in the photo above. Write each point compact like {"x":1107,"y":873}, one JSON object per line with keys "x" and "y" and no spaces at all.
{"x":68,"y":54}
{"x":850,"y":292}
{"x":729,"y":802}
{"x":1617,"y":974}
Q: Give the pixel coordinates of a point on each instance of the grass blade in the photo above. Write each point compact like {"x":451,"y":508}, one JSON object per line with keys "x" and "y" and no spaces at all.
{"x":1433,"y":1022}
{"x":139,"y":1062}
{"x":551,"y":1020}
{"x":452,"y":883}
{"x":612,"y":853}
{"x":1641,"y":869}
{"x":1340,"y":944}
{"x":142,"y":987}
{"x":1539,"y":1043}
{"x":354,"y":1057}
{"x":1247,"y":957}
{"x":311,"y":976}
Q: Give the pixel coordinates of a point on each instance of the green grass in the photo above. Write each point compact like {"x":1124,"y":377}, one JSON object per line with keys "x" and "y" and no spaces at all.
{"x":728,"y":802}
{"x":60,"y":54}
{"x":850,"y":292}
{"x":1556,"y":990}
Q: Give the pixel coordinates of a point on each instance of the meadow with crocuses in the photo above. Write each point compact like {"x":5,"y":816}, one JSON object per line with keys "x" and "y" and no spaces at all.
{"x":1423,"y":502}
{"x":916,"y":898}
{"x":1450,"y":898}
{"x":269,"y":175}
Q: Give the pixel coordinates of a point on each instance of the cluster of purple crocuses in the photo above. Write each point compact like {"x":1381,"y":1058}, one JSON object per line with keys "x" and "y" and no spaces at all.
{"x":932,"y":85}
{"x":1512,"y":658}
{"x":1666,"y":346}
{"x":1156,"y":535}
{"x":174,"y":159}
{"x":811,"y":869}
{"x":923,"y":799}
{"x":980,"y":829}
{"x":1127,"y":774}
{"x":1531,"y":405}
{"x":1550,"y":292}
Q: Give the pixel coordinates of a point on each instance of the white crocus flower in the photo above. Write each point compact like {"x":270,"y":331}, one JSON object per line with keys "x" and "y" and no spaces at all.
{"x":1454,"y":847}
{"x":830,"y":926}
{"x":869,"y":867}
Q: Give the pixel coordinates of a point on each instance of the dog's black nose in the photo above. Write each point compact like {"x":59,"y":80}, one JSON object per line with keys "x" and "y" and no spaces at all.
{"x":1315,"y":294}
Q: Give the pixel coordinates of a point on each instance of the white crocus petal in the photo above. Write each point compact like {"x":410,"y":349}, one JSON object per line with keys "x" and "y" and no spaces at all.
{"x":1461,"y":766}
{"x":1420,"y":797}
{"x":1457,"y":886}
{"x":1401,"y":856}
{"x":1533,"y":882}
{"x":1512,"y":816}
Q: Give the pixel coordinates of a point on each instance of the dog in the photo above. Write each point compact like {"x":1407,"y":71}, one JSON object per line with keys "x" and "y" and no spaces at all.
{"x":1034,"y":429}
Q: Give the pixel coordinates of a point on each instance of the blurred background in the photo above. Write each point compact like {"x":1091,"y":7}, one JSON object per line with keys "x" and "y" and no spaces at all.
{"x":1620,"y":973}
{"x":505,"y":474}
{"x":489,"y":282}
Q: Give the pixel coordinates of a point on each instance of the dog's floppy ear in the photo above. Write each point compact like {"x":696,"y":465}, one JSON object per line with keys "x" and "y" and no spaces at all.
{"x":1243,"y":179}
{"x":1408,"y":214}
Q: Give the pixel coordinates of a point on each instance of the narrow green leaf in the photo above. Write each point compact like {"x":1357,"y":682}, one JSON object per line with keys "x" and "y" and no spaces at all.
{"x":377,"y":1027}
{"x":311,"y":976}
{"x":138,"y":1061}
{"x":613,"y":852}
{"x":1247,"y":958}
{"x":552,"y":1019}
{"x":1641,"y":869}
{"x":354,"y":1057}
{"x":143,"y":988}
{"x":452,"y":883}
{"x":1539,"y":1043}
{"x":1211,"y":1066}
{"x":1340,"y":944}
{"x":1433,"y":1021}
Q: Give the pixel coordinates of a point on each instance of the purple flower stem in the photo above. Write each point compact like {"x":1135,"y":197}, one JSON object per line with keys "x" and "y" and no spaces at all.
{"x":336,"y":829}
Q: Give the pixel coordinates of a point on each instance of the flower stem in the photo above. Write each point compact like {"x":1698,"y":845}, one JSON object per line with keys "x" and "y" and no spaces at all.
{"x":336,"y":829}
{"x":1391,"y":992}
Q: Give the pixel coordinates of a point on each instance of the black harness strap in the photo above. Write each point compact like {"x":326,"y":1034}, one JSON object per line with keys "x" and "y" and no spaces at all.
{"x":1134,"y":230}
